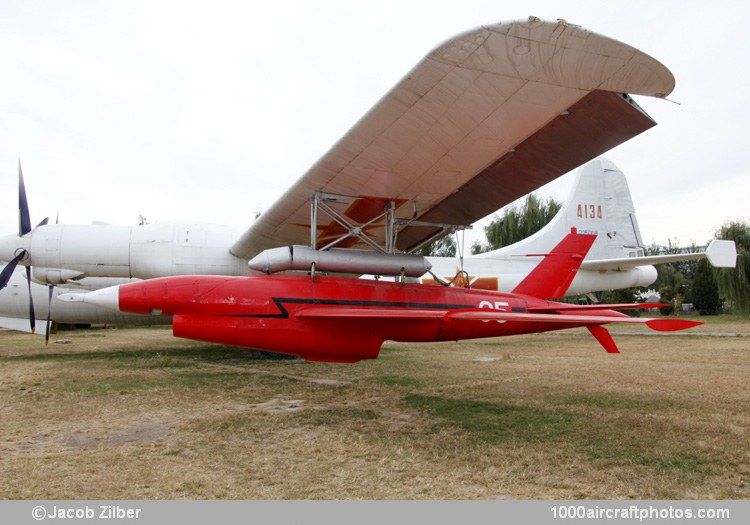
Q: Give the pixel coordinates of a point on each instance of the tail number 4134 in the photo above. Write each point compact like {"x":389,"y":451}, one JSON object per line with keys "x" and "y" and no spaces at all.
{"x":590,"y":211}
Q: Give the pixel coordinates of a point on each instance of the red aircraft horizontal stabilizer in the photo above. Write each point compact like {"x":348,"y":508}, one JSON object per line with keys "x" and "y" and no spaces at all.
{"x":481,"y":314}
{"x":671,"y":325}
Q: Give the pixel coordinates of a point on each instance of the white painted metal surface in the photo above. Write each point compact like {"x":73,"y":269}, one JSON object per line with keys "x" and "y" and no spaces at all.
{"x":600,"y":204}
{"x":342,"y":261}
{"x":469,"y":102}
{"x":14,"y":305}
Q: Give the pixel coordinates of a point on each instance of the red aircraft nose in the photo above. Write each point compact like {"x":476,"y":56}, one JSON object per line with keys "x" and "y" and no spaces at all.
{"x":166,"y":295}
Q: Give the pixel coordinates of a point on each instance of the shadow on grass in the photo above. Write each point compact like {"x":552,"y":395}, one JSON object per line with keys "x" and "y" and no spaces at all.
{"x":206,"y":380}
{"x":205,"y":353}
{"x":623,"y":438}
{"x":496,"y":422}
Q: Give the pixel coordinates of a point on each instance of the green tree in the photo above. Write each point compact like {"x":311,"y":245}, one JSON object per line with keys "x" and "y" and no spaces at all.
{"x":517,"y":223}
{"x":673,"y":281}
{"x":478,"y":247}
{"x":620,"y":295}
{"x":444,"y":247}
{"x":676,"y":276}
{"x":704,"y":289}
{"x":734,"y":283}
{"x":667,"y":296}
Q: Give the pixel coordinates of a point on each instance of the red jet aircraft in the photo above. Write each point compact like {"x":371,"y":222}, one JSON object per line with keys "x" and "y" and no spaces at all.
{"x":339,"y":319}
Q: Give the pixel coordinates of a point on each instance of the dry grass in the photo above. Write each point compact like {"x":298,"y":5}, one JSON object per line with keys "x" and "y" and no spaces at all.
{"x":136,"y":414}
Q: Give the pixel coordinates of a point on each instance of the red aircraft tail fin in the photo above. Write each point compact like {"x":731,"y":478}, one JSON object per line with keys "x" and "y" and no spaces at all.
{"x":552,"y":276}
{"x":604,"y":337}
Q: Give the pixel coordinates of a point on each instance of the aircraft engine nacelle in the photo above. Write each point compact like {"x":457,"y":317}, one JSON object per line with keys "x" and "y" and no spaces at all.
{"x":92,"y":250}
{"x":301,"y":338}
{"x":54,"y":276}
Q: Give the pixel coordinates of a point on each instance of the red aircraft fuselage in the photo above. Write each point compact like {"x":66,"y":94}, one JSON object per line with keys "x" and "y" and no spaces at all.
{"x":345,"y":320}
{"x":329,"y":318}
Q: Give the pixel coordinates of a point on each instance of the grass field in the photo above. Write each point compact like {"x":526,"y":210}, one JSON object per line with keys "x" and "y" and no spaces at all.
{"x":137,"y":414}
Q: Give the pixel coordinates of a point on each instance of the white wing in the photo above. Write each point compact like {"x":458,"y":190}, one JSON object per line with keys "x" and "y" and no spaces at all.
{"x":483,"y":119}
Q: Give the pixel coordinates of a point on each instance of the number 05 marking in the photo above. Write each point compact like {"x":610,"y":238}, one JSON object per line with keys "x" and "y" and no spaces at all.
{"x":497,"y":305}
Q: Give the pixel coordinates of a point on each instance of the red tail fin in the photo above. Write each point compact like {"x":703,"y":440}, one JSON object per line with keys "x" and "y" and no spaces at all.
{"x":552,"y":277}
{"x":604,"y":337}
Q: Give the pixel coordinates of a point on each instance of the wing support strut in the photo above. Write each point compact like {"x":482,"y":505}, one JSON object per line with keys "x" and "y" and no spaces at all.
{"x":323,"y":202}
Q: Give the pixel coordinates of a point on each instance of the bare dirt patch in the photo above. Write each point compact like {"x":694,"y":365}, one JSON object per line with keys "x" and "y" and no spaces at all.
{"x":135,"y":413}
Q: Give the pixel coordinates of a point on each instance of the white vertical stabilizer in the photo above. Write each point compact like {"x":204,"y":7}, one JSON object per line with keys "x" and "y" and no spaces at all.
{"x":599,"y":204}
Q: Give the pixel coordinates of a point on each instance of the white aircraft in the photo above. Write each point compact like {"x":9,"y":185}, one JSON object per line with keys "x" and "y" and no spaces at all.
{"x":599,"y":203}
{"x":14,"y":305}
{"x":485,"y":118}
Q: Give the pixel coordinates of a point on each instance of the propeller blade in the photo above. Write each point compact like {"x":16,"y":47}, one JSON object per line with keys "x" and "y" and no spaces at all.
{"x":32,"y":318}
{"x":24,"y":220}
{"x":9,"y":268}
{"x":49,"y":316}
{"x":44,"y":222}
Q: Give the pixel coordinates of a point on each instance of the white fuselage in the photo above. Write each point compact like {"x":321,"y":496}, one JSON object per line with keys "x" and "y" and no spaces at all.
{"x":505,"y":274}
{"x":65,"y":252}
{"x":14,"y":305}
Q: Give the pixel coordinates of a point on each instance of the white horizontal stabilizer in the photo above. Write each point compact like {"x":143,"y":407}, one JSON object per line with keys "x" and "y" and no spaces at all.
{"x":721,"y":254}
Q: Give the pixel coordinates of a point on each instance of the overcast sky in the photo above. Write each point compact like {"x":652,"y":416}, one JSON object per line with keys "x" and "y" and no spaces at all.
{"x":209,"y":110}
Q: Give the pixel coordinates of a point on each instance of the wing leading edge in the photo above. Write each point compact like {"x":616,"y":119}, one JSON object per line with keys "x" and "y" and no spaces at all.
{"x":483,"y":119}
